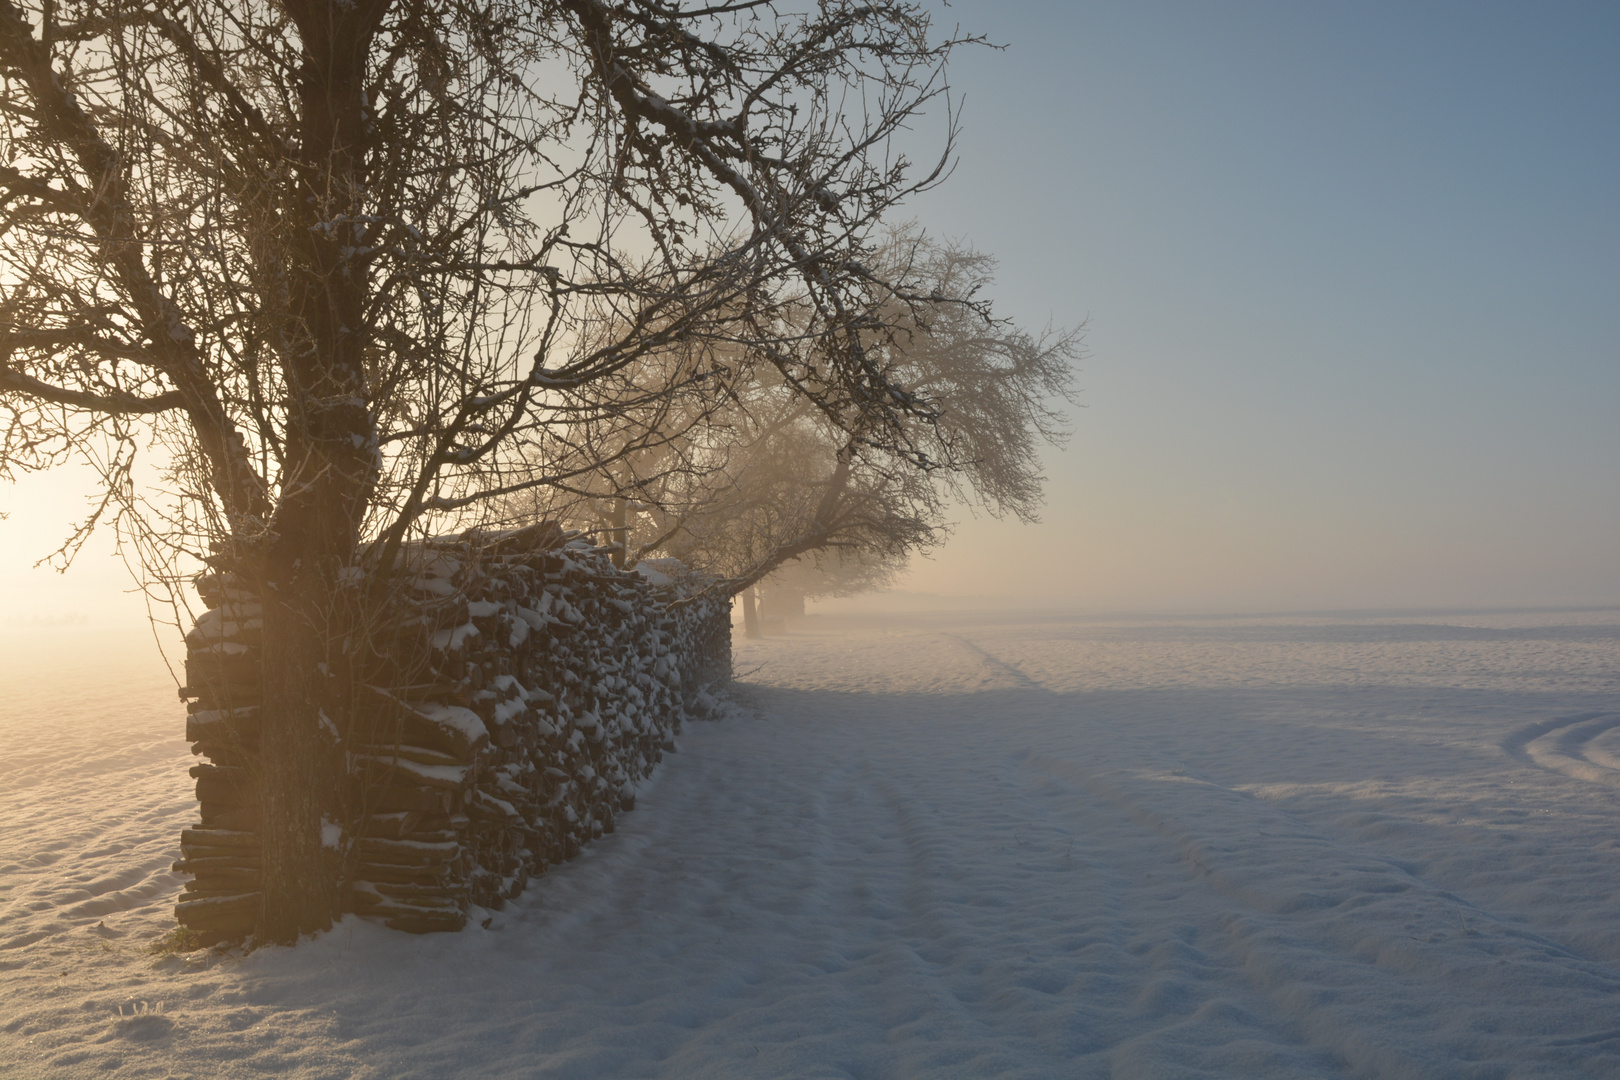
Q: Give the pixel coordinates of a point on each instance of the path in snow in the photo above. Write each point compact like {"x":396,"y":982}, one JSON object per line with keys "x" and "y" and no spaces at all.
{"x":1028,"y":847}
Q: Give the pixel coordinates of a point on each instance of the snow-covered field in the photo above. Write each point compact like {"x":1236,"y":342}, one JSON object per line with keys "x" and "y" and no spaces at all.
{"x":1027,"y":846}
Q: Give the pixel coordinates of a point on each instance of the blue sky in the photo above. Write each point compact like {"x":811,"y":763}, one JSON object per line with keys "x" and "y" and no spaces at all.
{"x":1349,"y":273}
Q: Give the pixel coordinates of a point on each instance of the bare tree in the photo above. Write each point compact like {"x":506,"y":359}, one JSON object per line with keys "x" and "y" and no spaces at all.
{"x":771,"y":477}
{"x":349,"y":270}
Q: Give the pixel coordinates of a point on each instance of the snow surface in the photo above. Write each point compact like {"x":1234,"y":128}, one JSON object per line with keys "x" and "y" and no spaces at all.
{"x":932,"y":847}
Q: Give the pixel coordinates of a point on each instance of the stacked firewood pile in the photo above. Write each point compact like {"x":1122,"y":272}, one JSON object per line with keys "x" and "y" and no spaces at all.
{"x":221,"y":853}
{"x":527,"y":687}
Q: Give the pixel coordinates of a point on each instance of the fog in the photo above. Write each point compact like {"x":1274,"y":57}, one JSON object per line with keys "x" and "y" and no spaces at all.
{"x":1348,"y":277}
{"x":1348,"y":274}
{"x":96,"y":590}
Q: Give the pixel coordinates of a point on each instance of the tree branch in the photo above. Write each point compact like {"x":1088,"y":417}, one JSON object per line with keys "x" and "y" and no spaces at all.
{"x":115,"y":404}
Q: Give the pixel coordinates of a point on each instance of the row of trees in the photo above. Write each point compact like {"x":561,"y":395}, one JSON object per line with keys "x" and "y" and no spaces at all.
{"x":351,"y":271}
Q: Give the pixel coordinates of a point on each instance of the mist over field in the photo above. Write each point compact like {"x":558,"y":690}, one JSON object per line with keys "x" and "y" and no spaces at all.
{"x":1348,"y":274}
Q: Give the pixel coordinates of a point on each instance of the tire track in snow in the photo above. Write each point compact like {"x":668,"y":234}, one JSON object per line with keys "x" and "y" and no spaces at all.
{"x":1011,"y":672}
{"x":986,"y":931}
{"x":1020,"y":931}
{"x":1571,"y":745}
{"x":1394,"y":976}
{"x":1398,"y":978}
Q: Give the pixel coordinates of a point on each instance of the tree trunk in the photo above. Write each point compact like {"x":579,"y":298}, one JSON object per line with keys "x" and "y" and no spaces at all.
{"x":296,"y":766}
{"x":750,"y":614}
{"x":331,"y":468}
{"x":619,"y":529}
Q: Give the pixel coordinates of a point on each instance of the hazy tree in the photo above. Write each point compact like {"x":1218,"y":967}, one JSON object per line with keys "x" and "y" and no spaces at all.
{"x":831,"y":572}
{"x":773,"y":478}
{"x":353,"y":269}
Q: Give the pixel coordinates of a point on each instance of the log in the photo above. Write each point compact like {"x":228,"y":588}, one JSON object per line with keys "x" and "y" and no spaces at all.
{"x":195,"y":853}
{"x":452,"y":893}
{"x":227,"y":914}
{"x":227,"y":881}
{"x":453,"y":729}
{"x":226,"y":838}
{"x":225,"y":785}
{"x":420,"y":906}
{"x":227,"y":798}
{"x":392,"y":798}
{"x":215,"y":864}
{"x":406,"y":852}
{"x":224,"y":664}
{"x":413,"y":921}
{"x":199,"y":889}
{"x":223,"y":725}
{"x":242,"y":624}
{"x":493,"y":809}
{"x":219,"y":588}
{"x":519,"y":882}
{"x":221,"y":816}
{"x":443,"y":691}
{"x":391,"y":826}
{"x":421,"y":755}
{"x":390,"y":768}
{"x":222,"y":753}
{"x":223,"y":695}
{"x":382,"y":900}
{"x":444,"y":876}
{"x":233,"y":775}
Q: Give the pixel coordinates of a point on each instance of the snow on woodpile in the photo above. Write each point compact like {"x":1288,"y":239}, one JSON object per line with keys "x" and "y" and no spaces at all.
{"x":525,"y":688}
